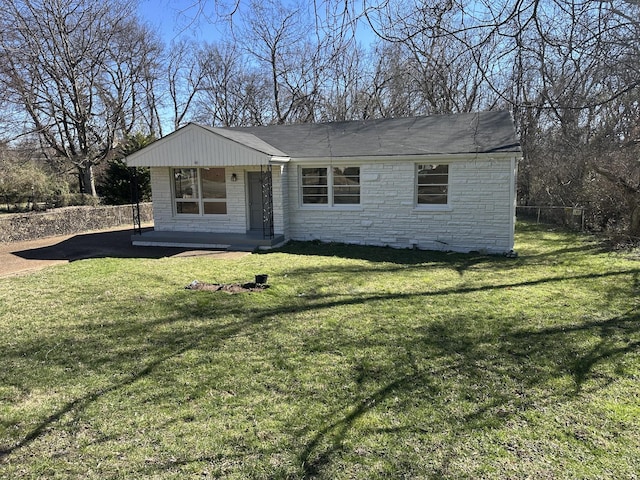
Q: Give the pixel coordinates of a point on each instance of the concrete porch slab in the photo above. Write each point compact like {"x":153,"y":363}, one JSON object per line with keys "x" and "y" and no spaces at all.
{"x":217,"y":241}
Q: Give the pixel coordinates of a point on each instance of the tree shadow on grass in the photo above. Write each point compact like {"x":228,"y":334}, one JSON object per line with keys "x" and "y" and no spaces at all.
{"x":616,"y":338}
{"x":461,"y":262}
{"x":496,"y":371}
{"x":387,"y":259}
{"x":80,"y":403}
{"x":512,"y":375}
{"x":131,"y":351}
{"x":382,"y":254}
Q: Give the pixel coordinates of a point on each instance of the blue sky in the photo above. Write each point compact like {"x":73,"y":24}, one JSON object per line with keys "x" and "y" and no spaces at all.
{"x":177,"y":18}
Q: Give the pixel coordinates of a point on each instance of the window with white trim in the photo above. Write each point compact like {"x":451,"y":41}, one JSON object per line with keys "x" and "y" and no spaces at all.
{"x":330,"y":186}
{"x":199,"y":191}
{"x":432,"y":184}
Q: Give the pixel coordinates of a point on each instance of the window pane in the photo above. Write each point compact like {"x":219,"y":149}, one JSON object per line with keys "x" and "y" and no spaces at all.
{"x":215,"y":208}
{"x":434,"y":169}
{"x":314,"y":200}
{"x":314,"y":180}
{"x":187,"y":207}
{"x":432,"y":190}
{"x":346,"y":190}
{"x":432,"y":179}
{"x":314,"y":186}
{"x":346,"y":185}
{"x":433,"y":199}
{"x":186,"y":183}
{"x":346,"y":199}
{"x":348,"y":175}
{"x":213,"y":183}
{"x":313,"y":190}
{"x":315,"y":194}
{"x":314,"y":176}
{"x":314,"y":172}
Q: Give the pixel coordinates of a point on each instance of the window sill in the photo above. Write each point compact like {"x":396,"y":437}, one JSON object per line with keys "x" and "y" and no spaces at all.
{"x":432,"y":208}
{"x":194,"y":216}
{"x":324,"y":208}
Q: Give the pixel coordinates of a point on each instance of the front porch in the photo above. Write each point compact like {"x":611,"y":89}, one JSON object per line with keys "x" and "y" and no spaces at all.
{"x":248,"y":242}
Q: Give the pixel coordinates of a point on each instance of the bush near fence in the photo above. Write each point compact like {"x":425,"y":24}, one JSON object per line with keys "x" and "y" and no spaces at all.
{"x":17,"y":227}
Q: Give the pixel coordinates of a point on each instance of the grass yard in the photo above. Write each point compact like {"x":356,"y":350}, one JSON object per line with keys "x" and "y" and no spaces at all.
{"x":357,"y":363}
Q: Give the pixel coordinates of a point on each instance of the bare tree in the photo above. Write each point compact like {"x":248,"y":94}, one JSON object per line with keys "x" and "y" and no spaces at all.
{"x":345,"y":92}
{"x":233,"y":92}
{"x":575,"y":87}
{"x":75,"y":67}
{"x":294,"y":50}
{"x":130,"y":69}
{"x":280,"y":40}
{"x":185,"y":69}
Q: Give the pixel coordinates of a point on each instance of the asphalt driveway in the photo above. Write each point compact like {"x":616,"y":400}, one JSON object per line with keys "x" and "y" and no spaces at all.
{"x":18,"y":258}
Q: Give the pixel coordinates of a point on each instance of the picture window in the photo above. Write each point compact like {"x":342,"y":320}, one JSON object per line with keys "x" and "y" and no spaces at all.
{"x":199,"y":191}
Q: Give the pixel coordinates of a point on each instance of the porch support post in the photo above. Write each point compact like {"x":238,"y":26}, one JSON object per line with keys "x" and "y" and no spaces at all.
{"x":135,"y":200}
{"x":267,"y":201}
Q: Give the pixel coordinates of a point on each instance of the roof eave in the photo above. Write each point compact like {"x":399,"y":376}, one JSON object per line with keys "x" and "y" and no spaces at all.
{"x":411,"y":157}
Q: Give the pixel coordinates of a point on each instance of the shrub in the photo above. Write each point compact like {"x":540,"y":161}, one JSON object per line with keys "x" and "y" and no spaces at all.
{"x":25,"y":184}
{"x":72,"y":199}
{"x":115,"y":187}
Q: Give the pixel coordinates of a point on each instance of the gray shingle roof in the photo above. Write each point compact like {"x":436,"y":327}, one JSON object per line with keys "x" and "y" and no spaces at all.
{"x":484,"y":132}
{"x":247,"y":139}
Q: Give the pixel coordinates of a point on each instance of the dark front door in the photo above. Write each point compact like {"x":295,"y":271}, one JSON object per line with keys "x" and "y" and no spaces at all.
{"x":255,"y":201}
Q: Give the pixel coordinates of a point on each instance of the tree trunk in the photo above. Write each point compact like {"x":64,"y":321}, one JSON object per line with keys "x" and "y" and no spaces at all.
{"x":87,"y":181}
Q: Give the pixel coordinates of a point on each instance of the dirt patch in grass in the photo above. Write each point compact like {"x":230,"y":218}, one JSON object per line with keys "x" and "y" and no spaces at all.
{"x":227,"y":287}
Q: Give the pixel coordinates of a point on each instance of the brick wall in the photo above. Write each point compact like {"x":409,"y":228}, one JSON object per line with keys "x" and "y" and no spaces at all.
{"x":67,"y":221}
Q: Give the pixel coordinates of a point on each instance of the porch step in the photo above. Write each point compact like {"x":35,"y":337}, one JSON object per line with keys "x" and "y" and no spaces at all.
{"x":242,"y":248}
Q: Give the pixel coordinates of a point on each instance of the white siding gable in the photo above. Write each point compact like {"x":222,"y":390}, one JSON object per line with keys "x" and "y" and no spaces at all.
{"x":196,"y":146}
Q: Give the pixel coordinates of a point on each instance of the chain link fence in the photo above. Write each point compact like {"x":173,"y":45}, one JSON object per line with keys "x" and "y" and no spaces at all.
{"x":569,"y":217}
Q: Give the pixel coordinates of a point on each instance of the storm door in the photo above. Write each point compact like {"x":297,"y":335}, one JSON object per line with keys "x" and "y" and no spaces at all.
{"x":260,"y":202}
{"x":255,"y":201}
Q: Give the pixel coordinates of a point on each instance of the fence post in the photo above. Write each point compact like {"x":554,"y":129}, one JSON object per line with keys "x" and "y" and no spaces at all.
{"x":135,"y":201}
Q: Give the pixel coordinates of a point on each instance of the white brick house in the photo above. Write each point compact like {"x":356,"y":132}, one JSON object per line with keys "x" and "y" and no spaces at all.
{"x":442,"y":182}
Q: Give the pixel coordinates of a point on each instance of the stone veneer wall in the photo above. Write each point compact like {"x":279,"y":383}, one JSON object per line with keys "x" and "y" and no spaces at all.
{"x":480,"y":214}
{"x":67,"y":221}
{"x":235,"y":221}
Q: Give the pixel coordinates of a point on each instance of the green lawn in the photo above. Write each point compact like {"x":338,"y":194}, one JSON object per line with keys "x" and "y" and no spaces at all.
{"x":357,"y":363}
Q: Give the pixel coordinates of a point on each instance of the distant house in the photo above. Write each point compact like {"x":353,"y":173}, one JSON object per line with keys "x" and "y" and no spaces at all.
{"x":444,"y":182}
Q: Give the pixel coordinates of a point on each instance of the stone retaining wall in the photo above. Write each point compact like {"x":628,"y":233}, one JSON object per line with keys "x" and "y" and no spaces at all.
{"x":17,"y":227}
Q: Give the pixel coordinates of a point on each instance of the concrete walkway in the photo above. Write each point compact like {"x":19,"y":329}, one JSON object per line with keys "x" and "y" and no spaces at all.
{"x":17,"y":258}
